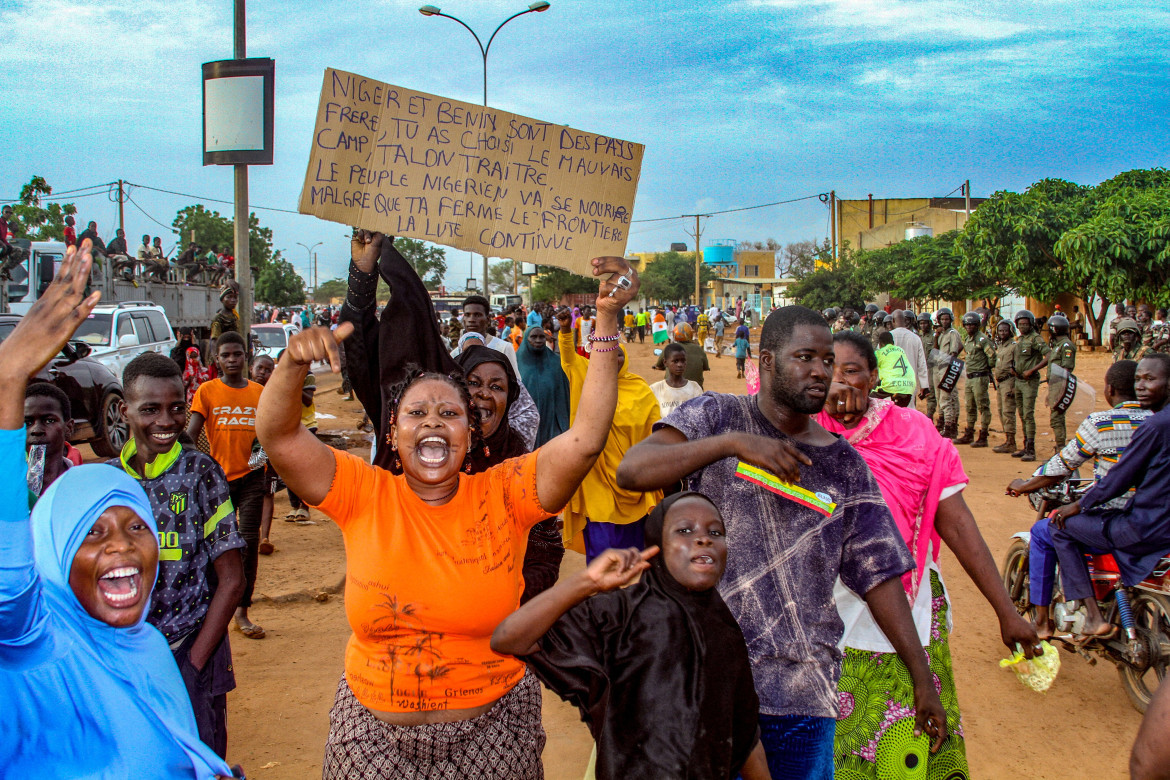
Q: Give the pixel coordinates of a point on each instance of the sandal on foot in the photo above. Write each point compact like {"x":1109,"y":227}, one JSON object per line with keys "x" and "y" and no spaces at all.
{"x":252,"y":632}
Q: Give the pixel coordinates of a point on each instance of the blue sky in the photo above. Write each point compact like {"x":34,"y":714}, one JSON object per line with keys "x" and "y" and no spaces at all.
{"x":738,"y":102}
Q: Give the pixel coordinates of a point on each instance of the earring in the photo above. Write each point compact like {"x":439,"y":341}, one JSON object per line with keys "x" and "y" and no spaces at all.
{"x":397,"y":463}
{"x":467,"y":466}
{"x":486,"y":451}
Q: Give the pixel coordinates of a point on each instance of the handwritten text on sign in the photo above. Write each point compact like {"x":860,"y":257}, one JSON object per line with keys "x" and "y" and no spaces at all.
{"x":412,"y":164}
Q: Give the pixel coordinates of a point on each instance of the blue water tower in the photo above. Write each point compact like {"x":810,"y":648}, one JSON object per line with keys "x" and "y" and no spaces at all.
{"x":720,"y":252}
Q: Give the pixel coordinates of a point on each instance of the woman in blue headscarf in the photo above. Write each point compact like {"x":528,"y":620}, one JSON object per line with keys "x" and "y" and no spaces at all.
{"x":541,"y":372}
{"x":90,"y":690}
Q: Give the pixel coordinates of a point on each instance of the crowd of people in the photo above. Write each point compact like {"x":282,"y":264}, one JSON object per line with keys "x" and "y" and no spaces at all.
{"x":762,"y":595}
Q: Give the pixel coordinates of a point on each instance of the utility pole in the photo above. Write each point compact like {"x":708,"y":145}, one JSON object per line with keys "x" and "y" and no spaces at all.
{"x":833,"y":221}
{"x":121,"y":215}
{"x":242,"y":250}
{"x":698,"y":254}
{"x":967,"y":197}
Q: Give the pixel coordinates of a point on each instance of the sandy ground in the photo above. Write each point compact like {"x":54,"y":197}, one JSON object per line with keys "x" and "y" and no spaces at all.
{"x":279,"y":712}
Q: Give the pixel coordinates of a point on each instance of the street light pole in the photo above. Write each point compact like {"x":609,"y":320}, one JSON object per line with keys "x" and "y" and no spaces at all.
{"x":312,"y":275}
{"x":432,"y":10}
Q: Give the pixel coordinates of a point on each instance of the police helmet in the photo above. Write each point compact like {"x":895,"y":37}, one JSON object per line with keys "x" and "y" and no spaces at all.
{"x":942,"y":311}
{"x":924,"y":317}
{"x":888,"y":319}
{"x":972,"y":318}
{"x":1024,"y":314}
{"x":830,"y":314}
{"x":870,"y":308}
{"x":1057,"y":321}
{"x":908,"y":314}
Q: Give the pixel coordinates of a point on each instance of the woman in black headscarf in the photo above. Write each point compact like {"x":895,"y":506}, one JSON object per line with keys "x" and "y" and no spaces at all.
{"x":659,"y":669}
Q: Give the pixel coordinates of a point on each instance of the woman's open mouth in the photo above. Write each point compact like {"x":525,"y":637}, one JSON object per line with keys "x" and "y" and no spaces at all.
{"x":433,"y":451}
{"x":121,"y":587}
{"x":704,"y":562}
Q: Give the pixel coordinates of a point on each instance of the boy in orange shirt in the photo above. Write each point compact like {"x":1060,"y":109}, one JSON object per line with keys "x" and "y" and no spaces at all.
{"x":227,"y":407}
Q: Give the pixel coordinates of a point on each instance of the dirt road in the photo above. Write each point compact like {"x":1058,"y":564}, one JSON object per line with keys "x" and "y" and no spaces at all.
{"x":279,"y":713}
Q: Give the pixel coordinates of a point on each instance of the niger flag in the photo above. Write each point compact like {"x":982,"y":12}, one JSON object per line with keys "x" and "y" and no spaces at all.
{"x":660,"y":333}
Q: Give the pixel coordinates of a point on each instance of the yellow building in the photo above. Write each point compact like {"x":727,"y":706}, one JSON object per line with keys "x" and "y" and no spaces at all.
{"x":748,"y":274}
{"x":879,"y":222}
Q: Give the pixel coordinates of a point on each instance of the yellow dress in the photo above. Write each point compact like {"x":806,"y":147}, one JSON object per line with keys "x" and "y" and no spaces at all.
{"x":599,"y":498}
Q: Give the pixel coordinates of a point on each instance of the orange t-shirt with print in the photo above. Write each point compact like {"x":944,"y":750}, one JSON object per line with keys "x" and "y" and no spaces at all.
{"x":230,"y":422}
{"x":426,"y":586}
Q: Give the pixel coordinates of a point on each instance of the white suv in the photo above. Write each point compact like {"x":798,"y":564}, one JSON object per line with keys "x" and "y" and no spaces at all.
{"x":118,"y":333}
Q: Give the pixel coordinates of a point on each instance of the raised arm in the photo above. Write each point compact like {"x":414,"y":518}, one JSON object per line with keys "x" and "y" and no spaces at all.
{"x":520,"y":631}
{"x":303,"y":461}
{"x":38,"y":336}
{"x":565,"y":460}
{"x":668,"y":456}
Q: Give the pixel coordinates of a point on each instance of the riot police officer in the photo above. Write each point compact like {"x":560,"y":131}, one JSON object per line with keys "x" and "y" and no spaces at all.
{"x":1031,"y":355}
{"x":1061,"y":352}
{"x":926,"y":334}
{"x":949,"y":345}
{"x":1005,"y":380}
{"x":980,"y":361}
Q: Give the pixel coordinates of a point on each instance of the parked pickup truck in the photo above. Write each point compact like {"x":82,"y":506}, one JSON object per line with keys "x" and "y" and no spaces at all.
{"x":191,"y":305}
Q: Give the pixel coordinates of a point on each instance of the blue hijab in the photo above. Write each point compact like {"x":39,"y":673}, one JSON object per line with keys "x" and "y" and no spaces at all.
{"x":85,"y":699}
{"x":545,"y":381}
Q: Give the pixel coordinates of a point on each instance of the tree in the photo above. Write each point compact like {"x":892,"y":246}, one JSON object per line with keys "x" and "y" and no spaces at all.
{"x":36,"y":222}
{"x":1124,"y":242}
{"x":770,"y":245}
{"x":1012,"y":236}
{"x":279,"y":284}
{"x":671,"y":277}
{"x":926,"y":268}
{"x":427,"y":260}
{"x":833,"y":282}
{"x":500,"y":276}
{"x":552,"y":284}
{"x":798,"y":257}
{"x":327,"y":291}
{"x":212,"y":231}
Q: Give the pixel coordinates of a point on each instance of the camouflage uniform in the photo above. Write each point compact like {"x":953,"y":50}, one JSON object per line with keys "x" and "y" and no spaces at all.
{"x":1029,"y":353}
{"x":950,"y":344}
{"x":980,"y":361}
{"x":1005,"y":395}
{"x":1061,"y":352}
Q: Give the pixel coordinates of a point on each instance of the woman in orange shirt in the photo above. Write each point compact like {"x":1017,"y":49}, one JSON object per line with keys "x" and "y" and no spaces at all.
{"x":433,"y":561}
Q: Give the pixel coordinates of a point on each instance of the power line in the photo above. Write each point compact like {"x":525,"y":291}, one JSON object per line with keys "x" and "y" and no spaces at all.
{"x":212,"y":200}
{"x":152,"y":219}
{"x":730,"y":211}
{"x":58,"y":196}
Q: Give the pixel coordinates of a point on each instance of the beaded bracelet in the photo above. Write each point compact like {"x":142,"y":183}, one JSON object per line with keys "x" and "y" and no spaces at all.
{"x":614,"y":348}
{"x":594,"y":339}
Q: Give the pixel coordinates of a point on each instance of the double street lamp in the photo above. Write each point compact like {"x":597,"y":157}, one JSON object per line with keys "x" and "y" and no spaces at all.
{"x":312,"y":263}
{"x":432,"y":10}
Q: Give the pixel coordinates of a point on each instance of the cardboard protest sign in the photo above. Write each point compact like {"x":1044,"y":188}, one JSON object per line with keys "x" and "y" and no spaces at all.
{"x":411,"y":164}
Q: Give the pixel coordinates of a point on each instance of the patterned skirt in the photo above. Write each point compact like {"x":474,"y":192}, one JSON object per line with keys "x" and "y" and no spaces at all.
{"x":875,"y":729}
{"x":504,"y":742}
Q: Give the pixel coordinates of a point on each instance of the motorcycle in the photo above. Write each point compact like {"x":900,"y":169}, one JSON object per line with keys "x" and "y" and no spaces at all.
{"x":1141,"y":647}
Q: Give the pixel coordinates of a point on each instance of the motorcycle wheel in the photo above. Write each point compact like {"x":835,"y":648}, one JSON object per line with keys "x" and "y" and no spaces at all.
{"x":1151,"y":614}
{"x":1015,"y":576}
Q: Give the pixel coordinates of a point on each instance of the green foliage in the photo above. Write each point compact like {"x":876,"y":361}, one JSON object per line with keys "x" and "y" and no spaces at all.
{"x":926,"y":268}
{"x":551,"y":283}
{"x":1124,"y":244}
{"x":212,"y":231}
{"x":670,"y":277}
{"x":500,"y":276}
{"x":1102,"y":244}
{"x":831,"y":282}
{"x":39,"y":222}
{"x":427,"y":260}
{"x":334,"y":288}
{"x":279,"y":284}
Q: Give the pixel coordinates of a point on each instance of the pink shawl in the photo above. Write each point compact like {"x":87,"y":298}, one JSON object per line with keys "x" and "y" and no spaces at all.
{"x":912,"y":464}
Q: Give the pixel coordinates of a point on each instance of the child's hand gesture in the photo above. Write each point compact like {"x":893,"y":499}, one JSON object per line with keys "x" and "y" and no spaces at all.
{"x":618,"y":568}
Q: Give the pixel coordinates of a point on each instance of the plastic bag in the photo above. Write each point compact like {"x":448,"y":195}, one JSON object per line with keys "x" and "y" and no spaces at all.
{"x":1039,"y":673}
{"x":258,"y":458}
{"x":752,"y":374}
